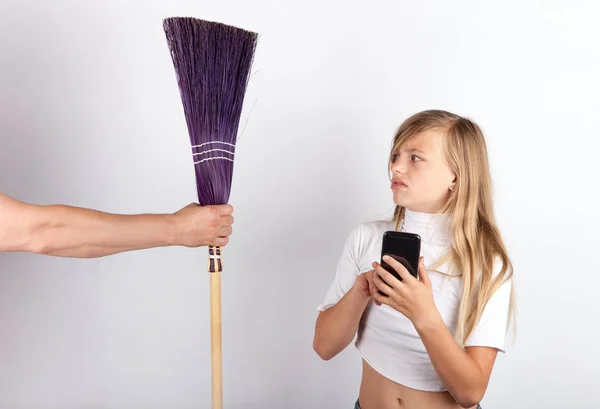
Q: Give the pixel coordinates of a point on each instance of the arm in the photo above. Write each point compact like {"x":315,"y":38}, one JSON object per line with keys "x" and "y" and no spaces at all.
{"x":466,"y":373}
{"x":67,"y":231}
{"x":336,"y":326}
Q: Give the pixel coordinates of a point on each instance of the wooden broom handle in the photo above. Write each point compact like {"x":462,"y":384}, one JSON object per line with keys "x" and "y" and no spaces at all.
{"x":216,"y":341}
{"x":214,"y":267}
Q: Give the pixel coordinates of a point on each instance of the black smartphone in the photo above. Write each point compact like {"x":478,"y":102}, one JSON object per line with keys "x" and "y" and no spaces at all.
{"x":403,"y":247}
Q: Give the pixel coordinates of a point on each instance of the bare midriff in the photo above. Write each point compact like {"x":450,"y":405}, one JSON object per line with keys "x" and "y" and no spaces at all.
{"x":378,"y":392}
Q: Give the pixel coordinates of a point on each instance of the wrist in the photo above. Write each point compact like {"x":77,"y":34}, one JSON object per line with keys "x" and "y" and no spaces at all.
{"x":173,"y":230}
{"x":429,"y":320}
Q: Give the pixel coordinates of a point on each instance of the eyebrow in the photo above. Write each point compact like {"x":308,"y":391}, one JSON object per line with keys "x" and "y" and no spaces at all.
{"x":416,"y":150}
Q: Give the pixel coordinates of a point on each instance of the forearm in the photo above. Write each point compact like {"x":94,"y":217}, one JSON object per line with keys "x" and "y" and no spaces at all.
{"x":336,"y":326}
{"x":67,"y":231}
{"x":460,"y":374}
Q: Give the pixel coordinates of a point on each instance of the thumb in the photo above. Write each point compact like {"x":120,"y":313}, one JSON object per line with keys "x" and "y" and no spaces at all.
{"x":423,"y":275}
{"x":364,"y":283}
{"x":361,"y":282}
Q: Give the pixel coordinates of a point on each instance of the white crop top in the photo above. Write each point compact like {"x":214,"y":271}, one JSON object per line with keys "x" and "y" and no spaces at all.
{"x":387,"y":340}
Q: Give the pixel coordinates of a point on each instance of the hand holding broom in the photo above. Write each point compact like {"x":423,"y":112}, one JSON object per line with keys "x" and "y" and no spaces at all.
{"x":197,"y":226}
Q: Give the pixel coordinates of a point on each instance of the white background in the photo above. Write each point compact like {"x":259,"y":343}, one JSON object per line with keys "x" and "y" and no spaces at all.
{"x":90,"y":115}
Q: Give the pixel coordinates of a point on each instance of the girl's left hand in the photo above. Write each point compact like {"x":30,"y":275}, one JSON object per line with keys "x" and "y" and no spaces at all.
{"x":411,"y":297}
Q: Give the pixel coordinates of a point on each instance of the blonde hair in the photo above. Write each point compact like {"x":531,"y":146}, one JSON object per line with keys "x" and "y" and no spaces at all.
{"x":477,"y":243}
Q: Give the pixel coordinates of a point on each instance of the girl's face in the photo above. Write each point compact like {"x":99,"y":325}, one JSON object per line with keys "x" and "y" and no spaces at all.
{"x":421,"y":177}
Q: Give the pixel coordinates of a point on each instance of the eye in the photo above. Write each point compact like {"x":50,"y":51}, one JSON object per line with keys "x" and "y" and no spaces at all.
{"x":394,"y":157}
{"x":415,"y":158}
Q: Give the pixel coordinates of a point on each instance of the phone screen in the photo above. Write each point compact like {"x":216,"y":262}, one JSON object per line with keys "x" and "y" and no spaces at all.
{"x":405,"y":248}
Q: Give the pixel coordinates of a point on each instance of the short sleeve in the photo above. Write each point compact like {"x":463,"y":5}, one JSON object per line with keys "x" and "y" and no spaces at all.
{"x":492,"y":328}
{"x":347,"y":270}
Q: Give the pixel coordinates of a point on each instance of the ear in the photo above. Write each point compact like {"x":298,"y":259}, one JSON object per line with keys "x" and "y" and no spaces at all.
{"x":452,"y":185}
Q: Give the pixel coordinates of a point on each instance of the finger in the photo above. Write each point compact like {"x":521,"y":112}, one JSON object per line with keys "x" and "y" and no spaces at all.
{"x":380,"y":299}
{"x":372,"y":287}
{"x":225,"y":210}
{"x":423,"y":274}
{"x":225,"y":231}
{"x":226,"y":220}
{"x":369,"y":279}
{"x":364,"y":286}
{"x":387,"y":276}
{"x":382,"y":285}
{"x":375,"y":294}
{"x":399,"y":268}
{"x":221,"y":241}
{"x":368,"y":283}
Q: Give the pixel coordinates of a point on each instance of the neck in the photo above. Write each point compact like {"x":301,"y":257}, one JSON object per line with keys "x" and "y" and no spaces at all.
{"x":434,"y":228}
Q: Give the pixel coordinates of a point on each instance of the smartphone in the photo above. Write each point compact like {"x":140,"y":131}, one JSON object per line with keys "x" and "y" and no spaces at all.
{"x":403,"y":247}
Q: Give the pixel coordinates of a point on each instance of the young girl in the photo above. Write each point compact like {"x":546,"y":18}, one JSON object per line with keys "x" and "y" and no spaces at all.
{"x":429,"y":342}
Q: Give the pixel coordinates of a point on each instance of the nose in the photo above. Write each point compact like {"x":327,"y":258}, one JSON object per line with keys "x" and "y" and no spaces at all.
{"x":398,"y":167}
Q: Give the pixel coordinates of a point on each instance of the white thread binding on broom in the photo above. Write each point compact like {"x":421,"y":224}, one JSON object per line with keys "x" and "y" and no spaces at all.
{"x":213,"y":150}
{"x":216,"y":157}
{"x":208,"y":143}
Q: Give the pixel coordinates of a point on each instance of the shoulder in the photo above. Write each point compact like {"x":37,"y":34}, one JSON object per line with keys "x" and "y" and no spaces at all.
{"x":499,"y":291}
{"x":366,"y":236}
{"x":371,"y":230}
{"x":502,"y":271}
{"x":376,"y":227}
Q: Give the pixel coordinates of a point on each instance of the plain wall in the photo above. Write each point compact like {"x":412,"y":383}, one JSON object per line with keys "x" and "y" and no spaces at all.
{"x":90,"y":115}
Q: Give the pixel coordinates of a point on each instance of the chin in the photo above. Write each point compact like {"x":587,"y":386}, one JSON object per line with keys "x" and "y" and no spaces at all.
{"x":401,"y":200}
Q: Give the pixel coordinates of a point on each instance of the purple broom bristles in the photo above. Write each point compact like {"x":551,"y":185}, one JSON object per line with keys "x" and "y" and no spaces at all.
{"x":212,"y":62}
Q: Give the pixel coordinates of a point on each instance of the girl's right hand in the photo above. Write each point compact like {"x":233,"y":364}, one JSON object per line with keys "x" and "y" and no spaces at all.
{"x":364,"y":283}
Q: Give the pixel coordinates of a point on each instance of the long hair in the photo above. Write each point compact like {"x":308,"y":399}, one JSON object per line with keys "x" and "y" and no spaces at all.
{"x":477,"y":244}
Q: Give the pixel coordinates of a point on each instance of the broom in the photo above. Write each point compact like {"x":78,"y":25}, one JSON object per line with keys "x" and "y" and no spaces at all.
{"x":212,"y":63}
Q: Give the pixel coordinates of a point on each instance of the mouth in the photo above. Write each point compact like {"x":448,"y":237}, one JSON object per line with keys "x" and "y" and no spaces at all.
{"x":398,"y":184}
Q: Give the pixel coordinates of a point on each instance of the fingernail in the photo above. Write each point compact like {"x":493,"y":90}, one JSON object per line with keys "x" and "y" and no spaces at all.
{"x":386,"y":258}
